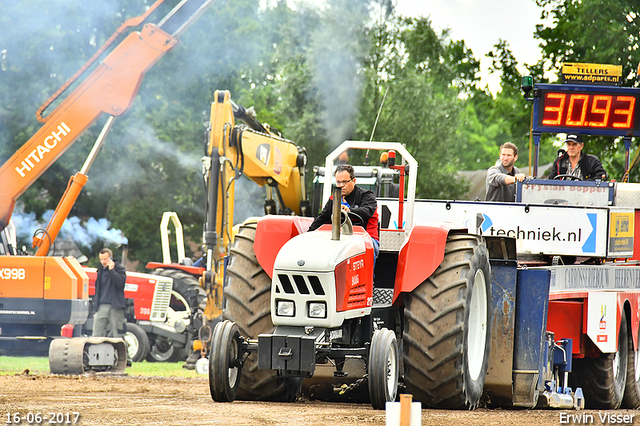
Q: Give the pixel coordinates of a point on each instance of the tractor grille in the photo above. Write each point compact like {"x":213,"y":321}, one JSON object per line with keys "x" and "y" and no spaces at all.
{"x":357,"y":298}
{"x":300,"y":284}
{"x":161,"y":299}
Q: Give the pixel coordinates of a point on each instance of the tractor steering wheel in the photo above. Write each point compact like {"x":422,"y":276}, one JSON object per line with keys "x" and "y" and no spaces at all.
{"x":355,"y":218}
{"x":567,"y":177}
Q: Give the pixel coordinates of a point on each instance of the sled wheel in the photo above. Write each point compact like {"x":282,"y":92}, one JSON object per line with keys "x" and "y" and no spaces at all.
{"x":383,"y":368}
{"x":603,"y":378}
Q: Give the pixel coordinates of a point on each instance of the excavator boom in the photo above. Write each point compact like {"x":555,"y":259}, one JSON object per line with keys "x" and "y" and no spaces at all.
{"x":110,"y":88}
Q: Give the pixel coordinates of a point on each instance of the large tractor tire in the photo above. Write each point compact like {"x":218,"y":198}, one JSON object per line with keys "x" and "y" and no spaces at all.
{"x":247,"y":295}
{"x":603,"y":379}
{"x":446,"y":335}
{"x":186,"y":296}
{"x":631,"y":397}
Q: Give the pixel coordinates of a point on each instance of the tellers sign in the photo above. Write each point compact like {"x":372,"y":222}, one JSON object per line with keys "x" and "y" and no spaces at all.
{"x":587,"y":109}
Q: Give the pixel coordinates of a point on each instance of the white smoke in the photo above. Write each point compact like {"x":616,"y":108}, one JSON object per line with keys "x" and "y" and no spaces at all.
{"x":249,"y":200}
{"x":337,"y":51}
{"x":84,"y":233}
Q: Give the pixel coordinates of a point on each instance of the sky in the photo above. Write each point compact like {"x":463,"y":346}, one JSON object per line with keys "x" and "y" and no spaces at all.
{"x":481,"y":24}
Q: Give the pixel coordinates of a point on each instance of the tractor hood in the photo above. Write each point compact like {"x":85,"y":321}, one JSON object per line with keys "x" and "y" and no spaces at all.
{"x":316,"y":251}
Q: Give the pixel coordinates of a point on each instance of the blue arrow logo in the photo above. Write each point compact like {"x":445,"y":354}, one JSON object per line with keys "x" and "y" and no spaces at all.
{"x":589,"y":246}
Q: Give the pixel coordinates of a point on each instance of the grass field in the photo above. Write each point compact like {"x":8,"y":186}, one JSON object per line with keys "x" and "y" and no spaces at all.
{"x":40,"y":365}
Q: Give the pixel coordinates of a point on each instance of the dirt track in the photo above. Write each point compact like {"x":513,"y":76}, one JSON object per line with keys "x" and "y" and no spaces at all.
{"x":128,"y":400}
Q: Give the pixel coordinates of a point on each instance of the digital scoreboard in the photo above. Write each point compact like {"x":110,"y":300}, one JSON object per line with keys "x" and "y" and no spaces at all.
{"x":594,"y":110}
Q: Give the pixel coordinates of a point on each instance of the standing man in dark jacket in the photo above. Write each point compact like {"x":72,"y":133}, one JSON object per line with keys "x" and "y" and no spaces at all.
{"x":576,"y":163}
{"x":356,"y":200}
{"x":109,"y":297}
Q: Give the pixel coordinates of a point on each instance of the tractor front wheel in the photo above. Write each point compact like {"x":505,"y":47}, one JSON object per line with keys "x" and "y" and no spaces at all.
{"x":137,"y":342}
{"x":247,"y":295}
{"x":383,"y":367}
{"x":225,"y":362}
{"x":446,"y":336}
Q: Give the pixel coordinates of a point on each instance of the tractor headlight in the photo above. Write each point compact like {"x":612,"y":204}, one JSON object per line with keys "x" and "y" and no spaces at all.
{"x":180,"y":326}
{"x":317,"y":310}
{"x":285,"y":308}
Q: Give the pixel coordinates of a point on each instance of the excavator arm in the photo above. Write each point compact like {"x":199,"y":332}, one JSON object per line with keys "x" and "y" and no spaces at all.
{"x":109,"y":89}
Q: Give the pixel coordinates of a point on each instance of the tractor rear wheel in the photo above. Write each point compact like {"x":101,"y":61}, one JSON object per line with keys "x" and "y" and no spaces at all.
{"x":603,"y":379}
{"x":446,"y":335}
{"x":247,"y":302}
{"x":187,"y":286}
{"x":383,"y":368}
{"x":225,"y":362}
{"x":631,"y":397}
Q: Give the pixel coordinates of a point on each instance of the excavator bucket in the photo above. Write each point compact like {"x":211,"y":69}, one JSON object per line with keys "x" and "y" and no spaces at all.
{"x":79,"y":355}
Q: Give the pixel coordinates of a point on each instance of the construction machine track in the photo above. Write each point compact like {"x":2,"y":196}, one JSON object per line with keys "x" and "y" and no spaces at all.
{"x":79,"y":355}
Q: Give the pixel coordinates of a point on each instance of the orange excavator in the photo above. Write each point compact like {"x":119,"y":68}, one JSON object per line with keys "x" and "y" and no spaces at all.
{"x":40,"y":294}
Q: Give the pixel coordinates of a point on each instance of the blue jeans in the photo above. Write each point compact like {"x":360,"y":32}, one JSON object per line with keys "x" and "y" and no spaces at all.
{"x":376,"y":250}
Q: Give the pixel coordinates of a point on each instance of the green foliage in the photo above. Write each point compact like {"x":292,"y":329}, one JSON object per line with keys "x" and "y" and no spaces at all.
{"x":318,"y":74}
{"x":424,"y":120}
{"x":592,"y":31}
{"x":595,"y":31}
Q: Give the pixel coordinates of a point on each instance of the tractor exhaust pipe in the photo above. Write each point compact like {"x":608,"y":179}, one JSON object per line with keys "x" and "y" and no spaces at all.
{"x":335,"y":213}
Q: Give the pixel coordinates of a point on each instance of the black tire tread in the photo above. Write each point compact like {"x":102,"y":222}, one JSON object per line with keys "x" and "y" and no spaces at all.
{"x":597,"y":378}
{"x":434,"y":333}
{"x":219,"y":360}
{"x":631,"y":397}
{"x":381,"y":343}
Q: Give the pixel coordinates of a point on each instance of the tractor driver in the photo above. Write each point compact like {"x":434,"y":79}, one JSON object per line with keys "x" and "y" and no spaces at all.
{"x":573,"y":163}
{"x":356,"y":200}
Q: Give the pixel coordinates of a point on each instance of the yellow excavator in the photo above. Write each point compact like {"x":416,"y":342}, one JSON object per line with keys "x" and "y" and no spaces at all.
{"x":236,"y":144}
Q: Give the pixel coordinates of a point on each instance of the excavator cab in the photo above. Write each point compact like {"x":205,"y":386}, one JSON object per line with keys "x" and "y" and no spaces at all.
{"x":8,"y":241}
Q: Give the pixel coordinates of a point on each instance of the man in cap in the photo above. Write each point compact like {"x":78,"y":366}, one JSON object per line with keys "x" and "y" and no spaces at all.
{"x":575,"y":164}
